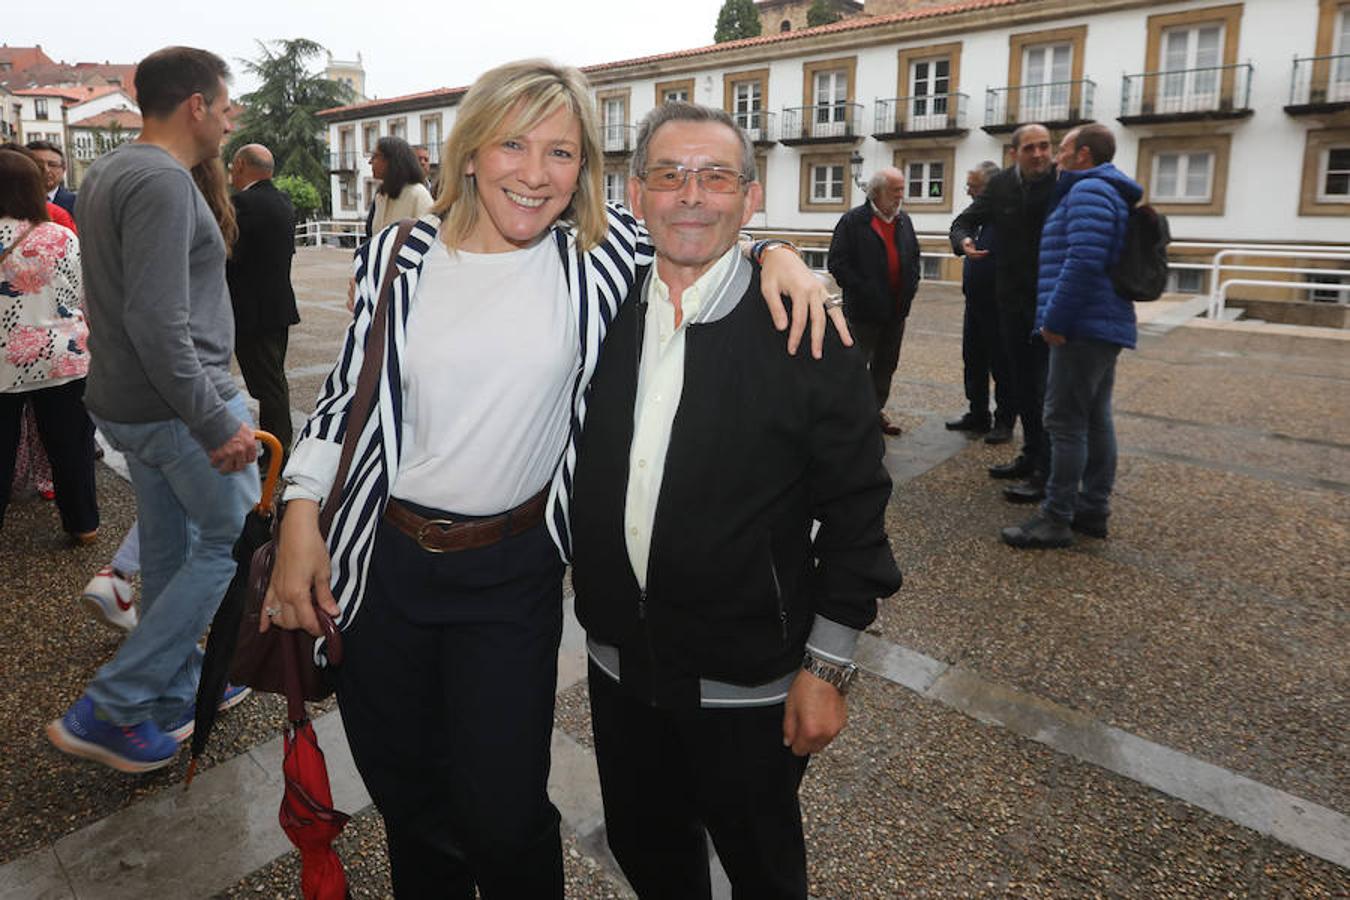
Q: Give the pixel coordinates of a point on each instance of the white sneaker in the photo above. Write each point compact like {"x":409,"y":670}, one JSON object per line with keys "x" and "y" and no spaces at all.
{"x":107,"y":596}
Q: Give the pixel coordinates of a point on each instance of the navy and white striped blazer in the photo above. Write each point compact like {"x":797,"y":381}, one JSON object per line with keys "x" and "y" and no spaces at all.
{"x":598,"y":282}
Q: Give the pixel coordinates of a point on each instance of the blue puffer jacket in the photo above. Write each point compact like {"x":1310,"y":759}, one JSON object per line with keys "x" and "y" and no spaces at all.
{"x":1082,"y":240}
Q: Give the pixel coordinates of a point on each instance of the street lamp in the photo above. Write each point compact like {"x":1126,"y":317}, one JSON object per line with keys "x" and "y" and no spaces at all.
{"x":855,"y":164}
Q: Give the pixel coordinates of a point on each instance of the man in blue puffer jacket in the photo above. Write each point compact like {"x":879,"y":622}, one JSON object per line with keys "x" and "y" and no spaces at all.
{"x":1085,"y":322}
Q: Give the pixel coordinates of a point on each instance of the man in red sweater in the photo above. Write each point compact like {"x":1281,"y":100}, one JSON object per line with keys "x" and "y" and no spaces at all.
{"x":874,"y":257}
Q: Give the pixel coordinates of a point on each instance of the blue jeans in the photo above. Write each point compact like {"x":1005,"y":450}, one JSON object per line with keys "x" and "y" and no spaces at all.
{"x":1082,"y":433}
{"x":189,"y":516}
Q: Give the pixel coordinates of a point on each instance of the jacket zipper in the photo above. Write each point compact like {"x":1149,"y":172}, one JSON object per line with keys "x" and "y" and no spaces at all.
{"x":778,"y":595}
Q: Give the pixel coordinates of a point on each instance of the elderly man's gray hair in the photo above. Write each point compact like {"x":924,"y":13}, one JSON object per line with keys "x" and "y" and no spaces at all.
{"x":986,"y":170}
{"x":679,"y":111}
{"x":878,"y":181}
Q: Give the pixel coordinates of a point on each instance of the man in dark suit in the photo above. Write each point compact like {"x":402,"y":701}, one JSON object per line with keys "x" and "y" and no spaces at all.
{"x":259,"y":275}
{"x":874,"y":257}
{"x":1016,"y":202}
{"x":53,"y":162}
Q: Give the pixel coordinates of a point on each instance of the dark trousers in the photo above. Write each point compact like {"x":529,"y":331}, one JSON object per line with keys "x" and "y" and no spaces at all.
{"x":983,"y":356}
{"x":1028,"y":360}
{"x":262,"y":361}
{"x":446,"y":691}
{"x":880,"y":346}
{"x":666,"y":775}
{"x":68,"y":436}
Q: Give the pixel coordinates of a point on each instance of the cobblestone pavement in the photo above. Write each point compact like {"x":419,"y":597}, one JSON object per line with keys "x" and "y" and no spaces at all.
{"x":1212,"y":622}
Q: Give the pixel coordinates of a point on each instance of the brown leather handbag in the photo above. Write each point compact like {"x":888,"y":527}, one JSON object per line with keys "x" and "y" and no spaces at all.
{"x":268,"y":661}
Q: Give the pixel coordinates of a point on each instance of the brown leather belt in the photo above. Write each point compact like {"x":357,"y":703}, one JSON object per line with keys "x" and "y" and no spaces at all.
{"x":450,"y":535}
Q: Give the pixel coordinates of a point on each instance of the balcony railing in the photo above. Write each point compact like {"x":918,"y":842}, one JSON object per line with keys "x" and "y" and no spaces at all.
{"x":759,"y":125}
{"x":821,"y":124}
{"x":929,"y":115}
{"x":1057,"y":104}
{"x":1319,"y":81}
{"x":1214,"y":92}
{"x":617,"y":138}
{"x":343,"y":161}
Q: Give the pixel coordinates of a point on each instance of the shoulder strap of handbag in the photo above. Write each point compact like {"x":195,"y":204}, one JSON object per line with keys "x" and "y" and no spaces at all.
{"x":368,"y":380}
{"x":15,"y":246}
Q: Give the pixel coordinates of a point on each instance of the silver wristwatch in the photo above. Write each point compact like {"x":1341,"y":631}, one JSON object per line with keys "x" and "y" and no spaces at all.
{"x":839,"y":676}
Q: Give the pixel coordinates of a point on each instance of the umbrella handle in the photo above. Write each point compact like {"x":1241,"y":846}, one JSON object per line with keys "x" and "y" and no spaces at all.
{"x":273,"y":469}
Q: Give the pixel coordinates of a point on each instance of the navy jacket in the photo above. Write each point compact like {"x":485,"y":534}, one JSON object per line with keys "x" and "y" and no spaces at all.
{"x":259,"y":269}
{"x":858,"y":263}
{"x":1082,"y":240}
{"x":65,"y":198}
{"x":977,"y":275}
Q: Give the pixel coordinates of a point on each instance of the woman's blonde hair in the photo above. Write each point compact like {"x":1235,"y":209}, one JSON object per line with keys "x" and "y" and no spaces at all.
{"x":507,"y":102}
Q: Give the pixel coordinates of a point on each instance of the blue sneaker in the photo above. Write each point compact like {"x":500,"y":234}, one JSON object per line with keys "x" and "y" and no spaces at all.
{"x":127,"y":748}
{"x":181,"y":728}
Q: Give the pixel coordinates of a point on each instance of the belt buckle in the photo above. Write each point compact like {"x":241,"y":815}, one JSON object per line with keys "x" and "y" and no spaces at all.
{"x":433,"y":523}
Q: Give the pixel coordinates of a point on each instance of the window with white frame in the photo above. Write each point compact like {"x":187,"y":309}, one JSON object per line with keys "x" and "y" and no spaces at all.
{"x":827,"y":184}
{"x":747,"y":106}
{"x":1339,"y":89}
{"x":930,"y":80}
{"x":1045,"y":89}
{"x":1334,"y":183}
{"x":40,"y":108}
{"x":1324,"y":295}
{"x":431,"y":135}
{"x":815,"y":259}
{"x":614,"y":122}
{"x":398,"y":128}
{"x":1182,"y":177}
{"x":675,"y":95}
{"x":930,"y":268}
{"x":1190,"y":58}
{"x":924,"y":181}
{"x":830,"y":117}
{"x":614,"y":186}
{"x":347,"y":190}
{"x":371,"y":136}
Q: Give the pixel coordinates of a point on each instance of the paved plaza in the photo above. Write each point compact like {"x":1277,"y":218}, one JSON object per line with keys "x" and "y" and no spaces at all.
{"x":1163,"y":713}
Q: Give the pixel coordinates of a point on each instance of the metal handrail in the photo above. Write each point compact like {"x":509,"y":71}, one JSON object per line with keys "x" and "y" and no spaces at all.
{"x":1182,"y":91}
{"x":758,"y":124}
{"x":315,"y":231}
{"x":943,"y":112}
{"x":1218,"y":296}
{"x":1055,"y":101}
{"x":617,"y":138}
{"x":1320,"y":79}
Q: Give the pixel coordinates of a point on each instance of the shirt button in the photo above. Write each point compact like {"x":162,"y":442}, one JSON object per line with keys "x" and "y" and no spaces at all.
{"x":633,"y":531}
{"x":656,"y":399}
{"x":642,"y":464}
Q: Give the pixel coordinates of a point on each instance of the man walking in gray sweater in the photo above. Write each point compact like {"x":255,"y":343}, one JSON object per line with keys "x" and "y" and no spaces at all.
{"x":160,"y":390}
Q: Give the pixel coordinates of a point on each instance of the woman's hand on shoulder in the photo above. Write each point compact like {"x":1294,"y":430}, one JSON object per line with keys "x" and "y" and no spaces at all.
{"x":782,"y":271}
{"x":301,"y":574}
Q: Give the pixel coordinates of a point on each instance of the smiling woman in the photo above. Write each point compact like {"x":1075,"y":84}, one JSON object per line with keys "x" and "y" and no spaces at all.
{"x":444,"y":566}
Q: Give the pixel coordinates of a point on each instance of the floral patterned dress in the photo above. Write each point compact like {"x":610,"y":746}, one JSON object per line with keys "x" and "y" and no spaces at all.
{"x":42,"y":329}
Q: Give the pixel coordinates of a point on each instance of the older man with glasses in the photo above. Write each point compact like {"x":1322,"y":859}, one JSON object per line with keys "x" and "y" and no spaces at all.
{"x":53,"y":161}
{"x":720,"y":629}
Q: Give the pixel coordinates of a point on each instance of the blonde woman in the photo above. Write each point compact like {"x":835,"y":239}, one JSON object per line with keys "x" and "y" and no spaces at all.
{"x":445,"y":560}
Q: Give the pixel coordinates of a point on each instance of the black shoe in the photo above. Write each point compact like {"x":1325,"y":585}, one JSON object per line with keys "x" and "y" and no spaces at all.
{"x":1001,"y":434}
{"x":1021,"y":467}
{"x":1038,"y":532}
{"x":1030,"y":491}
{"x":969,"y":422}
{"x":1090,"y":524}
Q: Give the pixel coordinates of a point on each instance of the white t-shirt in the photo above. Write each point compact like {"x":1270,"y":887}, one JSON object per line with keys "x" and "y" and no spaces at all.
{"x":491,"y":355}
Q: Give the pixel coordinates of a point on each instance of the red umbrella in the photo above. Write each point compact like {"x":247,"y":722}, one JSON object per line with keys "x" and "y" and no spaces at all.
{"x":307,"y":814}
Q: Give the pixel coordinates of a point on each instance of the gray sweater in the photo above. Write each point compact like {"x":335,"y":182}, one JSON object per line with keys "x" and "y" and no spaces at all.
{"x":160,"y":325}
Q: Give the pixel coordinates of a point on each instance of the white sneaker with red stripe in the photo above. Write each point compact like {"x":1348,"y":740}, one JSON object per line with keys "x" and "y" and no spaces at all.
{"x":108,"y":597}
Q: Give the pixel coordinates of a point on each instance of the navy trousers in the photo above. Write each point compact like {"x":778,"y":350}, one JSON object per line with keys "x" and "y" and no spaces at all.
{"x":446,"y":691}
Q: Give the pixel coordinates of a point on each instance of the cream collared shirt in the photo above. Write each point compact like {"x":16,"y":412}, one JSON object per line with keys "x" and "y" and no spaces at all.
{"x":660,"y":386}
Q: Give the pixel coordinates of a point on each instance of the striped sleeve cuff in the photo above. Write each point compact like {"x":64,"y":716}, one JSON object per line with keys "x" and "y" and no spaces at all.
{"x":832,"y":642}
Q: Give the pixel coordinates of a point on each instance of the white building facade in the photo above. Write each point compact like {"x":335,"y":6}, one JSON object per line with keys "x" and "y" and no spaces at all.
{"x":1234,"y":116}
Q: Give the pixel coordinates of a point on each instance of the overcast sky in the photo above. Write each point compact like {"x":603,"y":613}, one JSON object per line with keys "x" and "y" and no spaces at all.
{"x":406,"y":47}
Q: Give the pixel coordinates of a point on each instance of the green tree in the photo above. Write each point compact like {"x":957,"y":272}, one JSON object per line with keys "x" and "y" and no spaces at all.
{"x":282,"y":113}
{"x":304,"y":196}
{"x":822,"y":12}
{"x":737,"y":19}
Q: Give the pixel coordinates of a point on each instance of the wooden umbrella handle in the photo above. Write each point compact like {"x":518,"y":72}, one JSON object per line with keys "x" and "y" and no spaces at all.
{"x":269,"y":487}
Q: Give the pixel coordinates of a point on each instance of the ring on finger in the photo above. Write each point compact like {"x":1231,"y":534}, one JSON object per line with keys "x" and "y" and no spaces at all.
{"x":273,"y":612}
{"x":834,"y":301}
